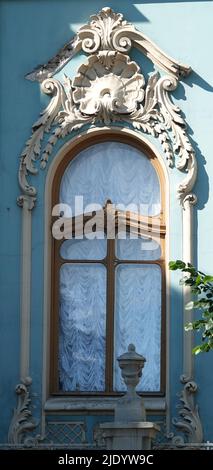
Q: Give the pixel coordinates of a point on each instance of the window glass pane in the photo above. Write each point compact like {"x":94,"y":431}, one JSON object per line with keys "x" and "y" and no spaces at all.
{"x":82,"y":327}
{"x":137,"y":249}
{"x":84,"y":249}
{"x":138,"y":320}
{"x":115,"y":171}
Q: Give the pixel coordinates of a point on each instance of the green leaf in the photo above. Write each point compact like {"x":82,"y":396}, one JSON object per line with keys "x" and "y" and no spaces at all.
{"x":192,"y":271}
{"x":198,"y":280}
{"x":196,"y":350}
{"x":208,"y":279}
{"x":189,"y":305}
{"x":196,"y":290}
{"x":206,"y":314}
{"x":180,"y":264}
{"x":188,"y":327}
{"x":202,"y":303}
{"x":201,"y":285}
{"x":209,"y":295}
{"x":190,"y":282}
{"x":205,"y":347}
{"x":173,"y":265}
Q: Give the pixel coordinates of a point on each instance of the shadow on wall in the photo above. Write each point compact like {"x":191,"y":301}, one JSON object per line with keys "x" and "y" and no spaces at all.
{"x":201,"y":188}
{"x":202,"y":178}
{"x":202,"y":184}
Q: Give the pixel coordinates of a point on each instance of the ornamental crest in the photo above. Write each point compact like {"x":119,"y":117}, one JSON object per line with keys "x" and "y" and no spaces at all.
{"x":109,"y":88}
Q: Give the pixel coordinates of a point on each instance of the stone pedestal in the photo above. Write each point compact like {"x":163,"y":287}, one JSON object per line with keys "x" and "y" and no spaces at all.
{"x":129,"y":436}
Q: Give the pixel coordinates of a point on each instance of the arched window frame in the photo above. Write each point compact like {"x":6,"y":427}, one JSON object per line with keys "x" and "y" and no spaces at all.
{"x":174,"y":126}
{"x":130,"y":138}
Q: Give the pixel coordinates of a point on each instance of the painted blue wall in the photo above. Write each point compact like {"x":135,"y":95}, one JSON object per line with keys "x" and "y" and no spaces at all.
{"x":31,"y":33}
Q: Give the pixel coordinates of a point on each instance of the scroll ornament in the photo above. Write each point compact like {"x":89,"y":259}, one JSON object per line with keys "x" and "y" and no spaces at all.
{"x":108,"y":89}
{"x":188,"y":422}
{"x":23,"y":424}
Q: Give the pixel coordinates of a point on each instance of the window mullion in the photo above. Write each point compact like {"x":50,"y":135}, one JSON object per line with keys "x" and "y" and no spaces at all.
{"x":110,"y":314}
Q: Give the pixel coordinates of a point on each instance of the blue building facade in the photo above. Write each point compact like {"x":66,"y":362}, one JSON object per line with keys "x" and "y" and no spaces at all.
{"x":32,"y":33}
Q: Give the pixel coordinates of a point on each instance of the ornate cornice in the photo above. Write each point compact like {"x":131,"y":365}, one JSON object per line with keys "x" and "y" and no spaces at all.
{"x":109,"y":88}
{"x":108,"y":31}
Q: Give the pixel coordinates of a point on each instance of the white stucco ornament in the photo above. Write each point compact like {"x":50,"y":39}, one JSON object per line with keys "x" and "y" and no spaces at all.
{"x":108,"y":83}
{"x":110,"y":88}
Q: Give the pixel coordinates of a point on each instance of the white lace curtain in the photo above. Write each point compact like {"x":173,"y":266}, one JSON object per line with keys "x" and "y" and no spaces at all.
{"x":121,"y":173}
{"x":115,"y":171}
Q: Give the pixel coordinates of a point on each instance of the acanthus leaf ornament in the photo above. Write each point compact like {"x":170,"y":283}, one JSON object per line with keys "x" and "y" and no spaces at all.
{"x":108,"y":31}
{"x":110,"y":88}
{"x":32,"y":148}
{"x":23,"y":423}
{"x":188,"y":422}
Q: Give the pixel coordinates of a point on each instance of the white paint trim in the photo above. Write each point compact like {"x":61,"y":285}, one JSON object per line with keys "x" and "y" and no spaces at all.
{"x":188,"y":257}
{"x":27,"y":204}
{"x":47,"y":254}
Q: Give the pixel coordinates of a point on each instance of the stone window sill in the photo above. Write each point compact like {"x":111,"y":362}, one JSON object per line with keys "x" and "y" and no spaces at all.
{"x":97,"y":404}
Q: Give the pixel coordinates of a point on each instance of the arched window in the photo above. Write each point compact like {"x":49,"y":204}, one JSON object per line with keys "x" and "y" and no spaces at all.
{"x":108,"y":288}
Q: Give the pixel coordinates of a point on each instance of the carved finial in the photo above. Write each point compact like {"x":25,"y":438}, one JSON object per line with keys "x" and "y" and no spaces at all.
{"x":131,"y":364}
{"x":131,"y":406}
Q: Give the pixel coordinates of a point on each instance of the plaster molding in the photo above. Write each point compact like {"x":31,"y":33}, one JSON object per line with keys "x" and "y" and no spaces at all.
{"x":27,"y":203}
{"x":109,"y":83}
{"x":188,"y":422}
{"x":107,"y":30}
{"x":188,"y":257}
{"x":23,"y":423}
{"x":106,"y":91}
{"x":109,"y":88}
{"x":32,"y":148}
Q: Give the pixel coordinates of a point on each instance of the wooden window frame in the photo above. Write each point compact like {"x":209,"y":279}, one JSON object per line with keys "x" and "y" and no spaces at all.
{"x":110,"y":262}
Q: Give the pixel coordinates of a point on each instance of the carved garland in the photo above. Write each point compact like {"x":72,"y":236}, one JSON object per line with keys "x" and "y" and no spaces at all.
{"x":107,"y":89}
